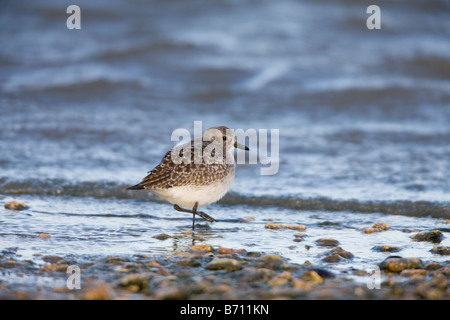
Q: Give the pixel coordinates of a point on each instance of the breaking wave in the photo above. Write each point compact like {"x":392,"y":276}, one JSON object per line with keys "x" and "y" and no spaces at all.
{"x":57,"y":187}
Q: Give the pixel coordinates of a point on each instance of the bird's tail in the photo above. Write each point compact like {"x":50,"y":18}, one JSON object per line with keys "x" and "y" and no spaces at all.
{"x":136,"y":187}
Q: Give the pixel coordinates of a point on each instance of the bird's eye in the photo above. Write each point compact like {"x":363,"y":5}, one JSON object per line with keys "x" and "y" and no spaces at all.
{"x":224,"y":138}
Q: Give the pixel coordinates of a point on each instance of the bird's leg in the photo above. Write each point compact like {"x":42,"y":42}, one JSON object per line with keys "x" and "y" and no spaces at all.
{"x":195,"y":212}
{"x":194,"y":209}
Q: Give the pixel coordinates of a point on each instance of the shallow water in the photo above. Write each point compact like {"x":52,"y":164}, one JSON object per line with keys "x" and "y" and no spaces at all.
{"x":363,"y":119}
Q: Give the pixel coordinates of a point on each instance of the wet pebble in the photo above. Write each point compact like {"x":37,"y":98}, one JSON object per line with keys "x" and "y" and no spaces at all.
{"x":228,"y":265}
{"x":444,"y":251}
{"x":203,"y":248}
{"x":434,"y":236}
{"x":327,"y":242}
{"x":15,"y":206}
{"x":386,"y":248}
{"x":254,"y":274}
{"x":377,"y":227}
{"x":271,"y":261}
{"x":135,"y":282}
{"x":162,"y":236}
{"x":332,"y":258}
{"x":312,"y":276}
{"x":298,"y":227}
{"x":189,"y":262}
{"x":222,"y":250}
{"x":52,"y":259}
{"x":398,"y":264}
{"x":98,"y":291}
{"x":299,"y":237}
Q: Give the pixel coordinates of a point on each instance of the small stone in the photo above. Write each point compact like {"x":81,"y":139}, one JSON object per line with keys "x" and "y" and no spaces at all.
{"x":224,"y":264}
{"x":432,"y":266}
{"x":398,"y":264}
{"x":327,"y":242}
{"x":443,"y":251}
{"x":332,"y":258}
{"x":325,"y":274}
{"x":162,"y":236}
{"x":202,"y":248}
{"x":44,"y":236}
{"x":15,"y":206}
{"x":48,"y":268}
{"x":271,"y":261}
{"x":303,"y":285}
{"x":277,"y":281}
{"x":12,"y":264}
{"x":101,"y":291}
{"x":51,"y":259}
{"x":135,"y":282}
{"x":413,"y":272}
{"x":188,"y":263}
{"x":416,"y":278}
{"x":342,"y":253}
{"x":299,"y":237}
{"x":439,"y":281}
{"x":386,"y":248}
{"x":312,"y":276}
{"x":252,"y":274}
{"x":281,"y":279}
{"x":298,"y":227}
{"x":377,"y":227}
{"x":171,"y":293}
{"x":381,"y":226}
{"x":222,"y":250}
{"x":434,"y":236}
{"x":154,"y":263}
{"x":114,"y":259}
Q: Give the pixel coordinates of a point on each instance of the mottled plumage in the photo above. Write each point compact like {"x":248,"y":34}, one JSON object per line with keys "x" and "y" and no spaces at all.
{"x":194,"y":176}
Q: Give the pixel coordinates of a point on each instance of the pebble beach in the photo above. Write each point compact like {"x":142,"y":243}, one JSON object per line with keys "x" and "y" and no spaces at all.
{"x":349,"y":197}
{"x":205,"y":272}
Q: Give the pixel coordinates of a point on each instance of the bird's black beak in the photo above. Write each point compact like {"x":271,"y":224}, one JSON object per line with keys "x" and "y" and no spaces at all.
{"x":240,"y":146}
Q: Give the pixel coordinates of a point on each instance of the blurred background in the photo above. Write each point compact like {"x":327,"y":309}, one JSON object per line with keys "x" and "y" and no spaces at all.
{"x":363,"y":114}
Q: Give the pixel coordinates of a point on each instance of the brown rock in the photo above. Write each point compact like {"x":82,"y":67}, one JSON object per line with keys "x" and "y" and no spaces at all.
{"x":162,"y":236}
{"x":342,"y":253}
{"x":386,"y":248}
{"x":443,"y":251}
{"x":327,"y":242}
{"x":377,"y":227}
{"x":222,"y":250}
{"x":100,"y":291}
{"x":332,"y":258}
{"x":224,"y":264}
{"x":434,"y":236}
{"x":15,"y":206}
{"x":253,"y":274}
{"x":281,"y":279}
{"x":398,"y":264}
{"x":312,"y":276}
{"x":298,"y":227}
{"x":432,"y":266}
{"x":44,"y":236}
{"x":202,"y":248}
{"x":381,"y":226}
{"x":135,"y":282}
{"x":271,"y":261}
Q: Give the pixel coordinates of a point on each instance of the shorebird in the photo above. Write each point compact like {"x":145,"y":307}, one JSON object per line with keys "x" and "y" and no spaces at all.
{"x":196,"y":173}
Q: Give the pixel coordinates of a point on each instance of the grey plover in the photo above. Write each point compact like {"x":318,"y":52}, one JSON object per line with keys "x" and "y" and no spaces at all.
{"x":195,"y":174}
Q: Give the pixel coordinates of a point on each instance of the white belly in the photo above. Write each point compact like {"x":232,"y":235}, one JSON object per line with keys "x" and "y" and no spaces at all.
{"x":187,"y":196}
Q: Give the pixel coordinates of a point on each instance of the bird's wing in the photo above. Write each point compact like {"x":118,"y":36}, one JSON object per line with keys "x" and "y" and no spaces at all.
{"x":172,"y":174}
